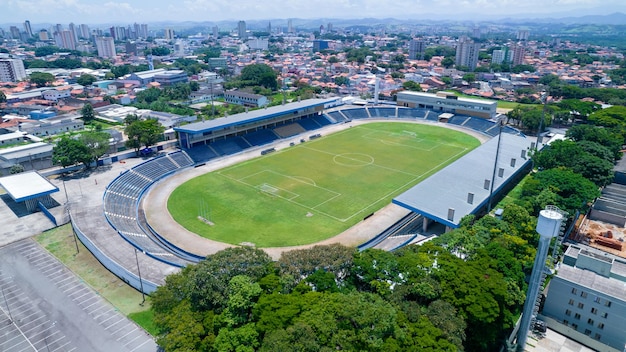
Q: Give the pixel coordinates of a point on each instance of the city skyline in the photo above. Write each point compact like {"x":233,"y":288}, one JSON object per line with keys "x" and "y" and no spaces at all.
{"x":97,"y":12}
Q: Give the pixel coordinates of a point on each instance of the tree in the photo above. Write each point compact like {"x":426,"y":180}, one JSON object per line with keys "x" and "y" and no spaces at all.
{"x":260,"y":74}
{"x":69,"y":151}
{"x":447,"y":62}
{"x":469,"y":77}
{"x":41,"y":79}
{"x":97,"y":142}
{"x":45,"y":50}
{"x":333,"y":60}
{"x":143,"y":133}
{"x":341,"y":81}
{"x":412,"y":86}
{"x":194,"y":86}
{"x":86,"y":80}
{"x":16,"y":169}
{"x":3,"y":97}
{"x":87,"y":112}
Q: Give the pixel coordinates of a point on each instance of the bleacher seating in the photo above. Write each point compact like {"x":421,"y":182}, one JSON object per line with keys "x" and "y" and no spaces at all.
{"x":309,"y":124}
{"x":458,"y":119}
{"x":181,"y":159}
{"x":261,"y":137}
{"x":321,"y":120}
{"x":228,"y":146}
{"x":412,"y":113}
{"x":432,"y":116}
{"x":353,"y":114}
{"x":382,"y":112}
{"x":338,"y":116}
{"x":478,"y":124}
{"x":201,"y":153}
{"x":121,"y":202}
{"x":289,"y":130}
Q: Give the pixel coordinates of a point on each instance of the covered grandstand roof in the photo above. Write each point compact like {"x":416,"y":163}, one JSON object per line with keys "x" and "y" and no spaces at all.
{"x":27,"y":185}
{"x":450,"y":187}
{"x":251,"y":116}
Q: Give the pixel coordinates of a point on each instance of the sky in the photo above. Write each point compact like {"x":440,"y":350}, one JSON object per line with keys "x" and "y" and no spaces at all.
{"x":146,"y":11}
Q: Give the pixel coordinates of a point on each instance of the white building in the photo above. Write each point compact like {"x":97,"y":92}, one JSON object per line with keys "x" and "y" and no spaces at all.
{"x":586,"y":299}
{"x":12,"y":70}
{"x":106,"y":47}
{"x":448,"y":102}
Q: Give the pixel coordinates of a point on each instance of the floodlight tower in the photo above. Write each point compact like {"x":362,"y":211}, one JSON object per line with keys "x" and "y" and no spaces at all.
{"x":548,"y":227}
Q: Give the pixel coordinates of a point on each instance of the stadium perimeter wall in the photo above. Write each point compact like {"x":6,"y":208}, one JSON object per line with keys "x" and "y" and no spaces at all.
{"x":114,"y":267}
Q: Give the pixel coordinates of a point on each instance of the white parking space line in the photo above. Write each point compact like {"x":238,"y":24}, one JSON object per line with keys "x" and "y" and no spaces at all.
{"x":95,"y":310}
{"x":107,"y":319}
{"x":128,"y":333}
{"x":112,"y":325}
{"x":120,"y":329}
{"x":136,"y":348}
{"x":68,"y":277}
{"x":95,"y":299}
{"x":63,"y":345}
{"x":84,"y":294}
{"x":71,"y":288}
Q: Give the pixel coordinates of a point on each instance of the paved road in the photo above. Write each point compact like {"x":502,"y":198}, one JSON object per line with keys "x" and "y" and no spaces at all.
{"x":45,"y":307}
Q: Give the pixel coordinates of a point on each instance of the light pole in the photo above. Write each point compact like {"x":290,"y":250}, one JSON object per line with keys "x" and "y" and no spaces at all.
{"x":143,"y":295}
{"x":7,"y":304}
{"x":495,"y":167}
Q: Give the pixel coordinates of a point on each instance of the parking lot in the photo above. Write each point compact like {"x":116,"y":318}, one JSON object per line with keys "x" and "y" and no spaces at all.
{"x":45,"y":307}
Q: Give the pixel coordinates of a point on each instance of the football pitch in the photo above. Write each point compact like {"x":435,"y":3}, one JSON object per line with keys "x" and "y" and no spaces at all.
{"x":316,"y":189}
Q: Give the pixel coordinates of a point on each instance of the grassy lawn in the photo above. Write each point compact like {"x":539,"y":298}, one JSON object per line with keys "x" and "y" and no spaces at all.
{"x":60,"y":242}
{"x":513,"y":195}
{"x":322,"y":186}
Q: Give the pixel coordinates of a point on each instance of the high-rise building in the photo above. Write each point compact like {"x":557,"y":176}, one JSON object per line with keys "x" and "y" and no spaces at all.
{"x":144,"y":31}
{"x":290,"y":27}
{"x":65,"y":40}
{"x":12,"y":70}
{"x":467,"y":53}
{"x":241,"y":30}
{"x":72,"y":28}
{"x":329,"y":27}
{"x":131,"y":48}
{"x":169,"y":34}
{"x":84,"y":31}
{"x":498,"y":56}
{"x":28,"y":29}
{"x":269,"y":27}
{"x":216,"y":31}
{"x":517,"y":55}
{"x":523,"y":34}
{"x":319,"y":45}
{"x":15,"y":32}
{"x":43,"y":35}
{"x":106,"y":47}
{"x":417,"y":47}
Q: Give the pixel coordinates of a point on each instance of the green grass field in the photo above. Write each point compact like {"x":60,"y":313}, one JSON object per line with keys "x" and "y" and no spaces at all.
{"x":316,"y":189}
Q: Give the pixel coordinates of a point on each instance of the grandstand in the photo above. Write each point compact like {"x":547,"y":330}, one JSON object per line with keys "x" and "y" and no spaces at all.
{"x":382,"y":112}
{"x":358,"y":113}
{"x":121,"y":207}
{"x":338,"y":116}
{"x":289,"y":130}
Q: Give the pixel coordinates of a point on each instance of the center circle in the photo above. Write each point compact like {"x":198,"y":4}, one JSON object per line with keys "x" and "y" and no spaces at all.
{"x":353,"y":159}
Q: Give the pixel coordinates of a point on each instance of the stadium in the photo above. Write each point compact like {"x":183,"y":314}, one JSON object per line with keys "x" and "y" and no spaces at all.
{"x":294,"y":175}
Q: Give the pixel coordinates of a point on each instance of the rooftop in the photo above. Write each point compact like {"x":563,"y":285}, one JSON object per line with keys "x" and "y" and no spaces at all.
{"x":27,"y":185}
{"x":251,"y":116}
{"x":450,"y":187}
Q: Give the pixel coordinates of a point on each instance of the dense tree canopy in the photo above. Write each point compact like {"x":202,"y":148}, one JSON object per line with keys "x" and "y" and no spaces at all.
{"x":41,"y":79}
{"x":143,"y":133}
{"x":69,"y":151}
